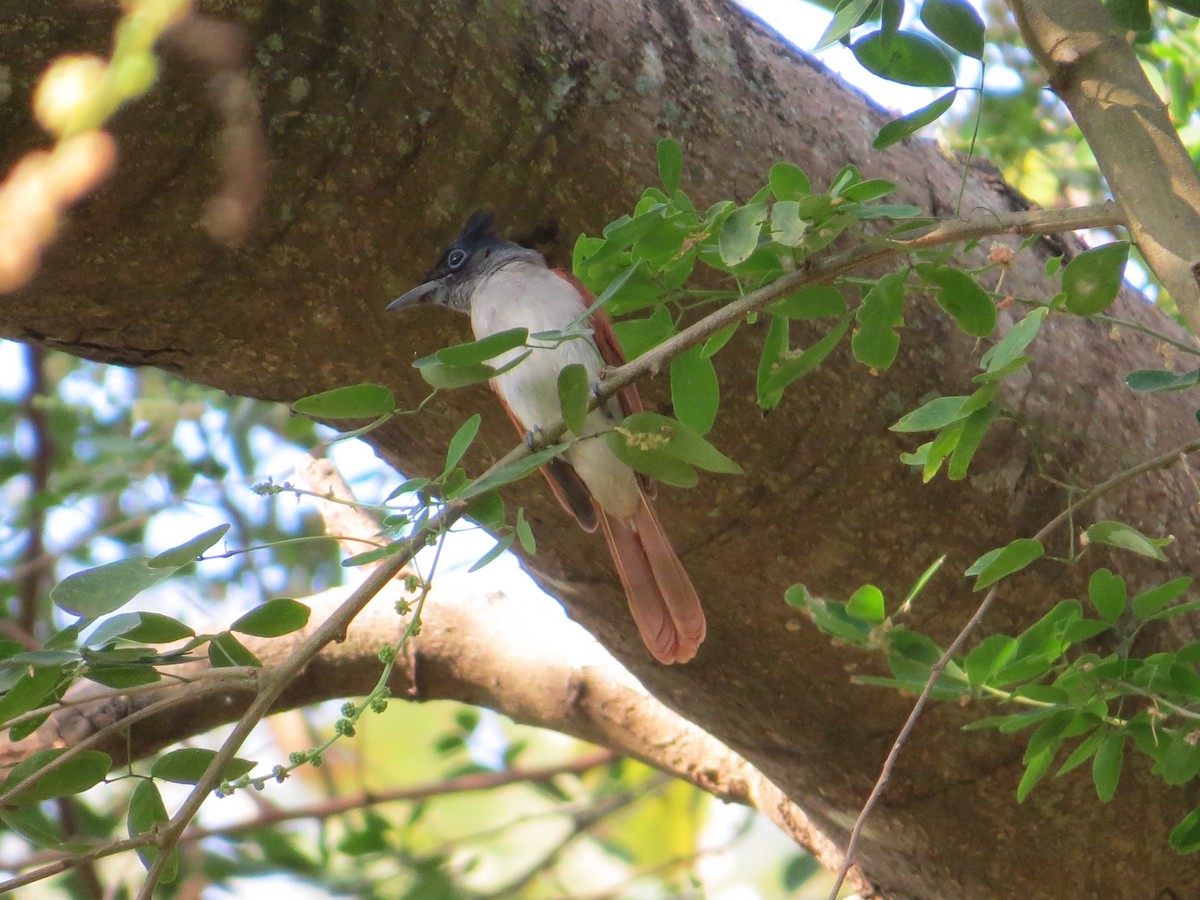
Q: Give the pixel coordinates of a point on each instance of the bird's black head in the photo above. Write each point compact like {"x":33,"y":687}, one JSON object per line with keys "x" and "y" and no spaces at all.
{"x":477,"y":252}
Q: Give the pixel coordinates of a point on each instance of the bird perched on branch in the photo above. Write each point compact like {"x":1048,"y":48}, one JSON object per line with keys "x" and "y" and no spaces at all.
{"x":502,"y":286}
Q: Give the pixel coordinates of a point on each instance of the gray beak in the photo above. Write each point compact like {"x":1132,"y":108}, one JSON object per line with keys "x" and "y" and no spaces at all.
{"x":422,"y":293}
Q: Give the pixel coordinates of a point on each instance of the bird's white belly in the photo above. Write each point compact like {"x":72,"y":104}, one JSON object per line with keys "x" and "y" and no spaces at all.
{"x":525,"y":295}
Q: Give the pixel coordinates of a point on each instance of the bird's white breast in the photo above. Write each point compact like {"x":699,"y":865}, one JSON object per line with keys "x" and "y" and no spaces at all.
{"x":526,"y":295}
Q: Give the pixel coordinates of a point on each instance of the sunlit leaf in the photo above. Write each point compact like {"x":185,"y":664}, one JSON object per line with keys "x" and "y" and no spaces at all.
{"x":670,"y":164}
{"x":1126,"y":537}
{"x":695,"y":391}
{"x":898,"y":129}
{"x":1005,"y":561}
{"x":188,"y":765}
{"x":957,"y":23}
{"x":574,"y":393}
{"x":272,"y":619}
{"x":475,"y":352}
{"x":1149,"y":381}
{"x":76,"y":775}
{"x":907,"y":58}
{"x":1092,"y":279}
{"x":356,"y":401}
{"x":788,"y":182}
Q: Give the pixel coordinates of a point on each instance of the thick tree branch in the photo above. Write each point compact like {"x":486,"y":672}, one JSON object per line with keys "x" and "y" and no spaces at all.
{"x":375,"y":163}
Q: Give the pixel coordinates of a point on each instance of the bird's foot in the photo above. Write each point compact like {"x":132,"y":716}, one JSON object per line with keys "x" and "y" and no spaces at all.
{"x":534,"y":437}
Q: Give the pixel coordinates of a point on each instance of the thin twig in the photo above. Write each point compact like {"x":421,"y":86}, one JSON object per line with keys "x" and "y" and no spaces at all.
{"x":939,"y":667}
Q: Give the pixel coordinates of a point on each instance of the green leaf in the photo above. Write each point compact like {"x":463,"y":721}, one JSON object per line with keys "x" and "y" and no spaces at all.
{"x":907,"y":58}
{"x":188,"y":765}
{"x":1126,"y":537}
{"x":985,"y":660}
{"x":845,"y":18}
{"x":898,"y":129}
{"x":1106,"y":765}
{"x":1043,"y":745}
{"x":739,"y":235}
{"x":683,"y":443}
{"x":1179,"y":763}
{"x":1012,"y":346}
{"x":370,"y":556}
{"x":487,"y":510}
{"x":695,"y":391}
{"x":103,"y":589}
{"x":813,"y":302}
{"x":147,"y":812}
{"x":502,"y":547}
{"x":1149,"y":381}
{"x":36,"y":827}
{"x":226,"y":650}
{"x":957,"y":23}
{"x":792,"y":368}
{"x":867,"y":604}
{"x":460,"y":442}
{"x":670,"y":164}
{"x":775,"y":344}
{"x":636,"y":336}
{"x":943,"y":411}
{"x":1108,"y":595}
{"x":882,"y":310}
{"x":272,"y":619}
{"x":716,"y":343}
{"x":474,"y":352}
{"x":866,"y":191}
{"x":1005,"y":561}
{"x":787,"y":227}
{"x":1092,"y":279}
{"x":573,"y":395}
{"x":123,"y":676}
{"x":1132,"y":15}
{"x":180,"y":556}
{"x":798,"y":870}
{"x":968,"y":303}
{"x":514,"y":471}
{"x":788,"y":182}
{"x":356,"y":401}
{"x":442,"y":377}
{"x":666,"y":449}
{"x":1081,"y":754}
{"x":74,"y":776}
{"x":1150,"y":602}
{"x":974,"y":428}
{"x":525,"y":533}
{"x":829,"y":616}
{"x":34,"y":689}
{"x":1185,"y":837}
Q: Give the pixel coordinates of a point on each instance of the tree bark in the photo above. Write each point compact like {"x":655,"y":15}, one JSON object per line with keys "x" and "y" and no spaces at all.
{"x":389,"y":122}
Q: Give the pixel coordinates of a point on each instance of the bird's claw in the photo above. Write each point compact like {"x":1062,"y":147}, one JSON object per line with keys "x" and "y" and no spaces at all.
{"x":533,"y":437}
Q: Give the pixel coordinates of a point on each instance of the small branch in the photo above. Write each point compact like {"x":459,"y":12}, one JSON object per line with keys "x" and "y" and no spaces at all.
{"x":935,"y":672}
{"x":31,"y":583}
{"x":1096,"y":73}
{"x":475,"y":782}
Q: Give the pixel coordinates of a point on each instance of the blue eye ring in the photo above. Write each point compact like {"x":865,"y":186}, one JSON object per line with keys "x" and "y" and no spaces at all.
{"x":456,"y":258}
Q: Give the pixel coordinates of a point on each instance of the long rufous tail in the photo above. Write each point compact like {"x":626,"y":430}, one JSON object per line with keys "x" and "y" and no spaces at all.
{"x":662,"y":598}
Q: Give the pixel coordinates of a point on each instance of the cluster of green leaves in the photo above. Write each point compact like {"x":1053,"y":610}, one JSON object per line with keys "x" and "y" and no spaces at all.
{"x":119,"y":651}
{"x":919,"y":58}
{"x":1052,"y":677}
{"x":642,"y":265}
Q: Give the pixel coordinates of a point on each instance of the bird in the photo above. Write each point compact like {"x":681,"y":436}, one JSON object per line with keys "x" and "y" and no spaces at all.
{"x":503,"y":285}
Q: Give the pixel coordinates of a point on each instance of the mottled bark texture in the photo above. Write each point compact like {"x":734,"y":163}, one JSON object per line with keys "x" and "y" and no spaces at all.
{"x":388,"y":122}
